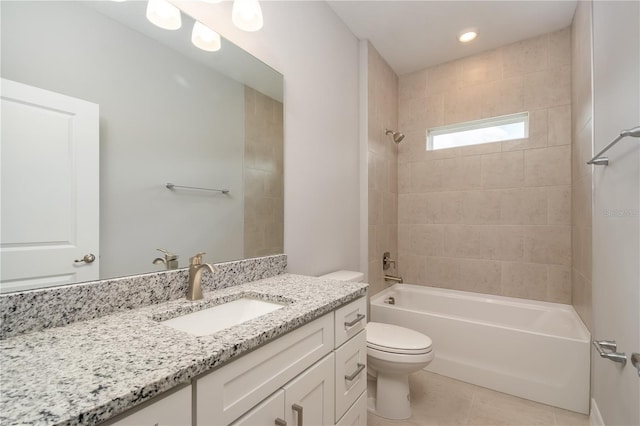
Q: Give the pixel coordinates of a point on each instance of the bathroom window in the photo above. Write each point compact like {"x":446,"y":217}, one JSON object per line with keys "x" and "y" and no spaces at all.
{"x":495,"y":129}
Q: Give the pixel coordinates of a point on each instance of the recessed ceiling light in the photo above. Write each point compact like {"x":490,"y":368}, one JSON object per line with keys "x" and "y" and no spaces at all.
{"x":467,"y":35}
{"x":247,"y":15}
{"x":205,"y":38}
{"x":163,"y":14}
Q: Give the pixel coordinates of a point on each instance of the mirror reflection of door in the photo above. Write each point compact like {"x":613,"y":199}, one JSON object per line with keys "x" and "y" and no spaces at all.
{"x":50,"y":188}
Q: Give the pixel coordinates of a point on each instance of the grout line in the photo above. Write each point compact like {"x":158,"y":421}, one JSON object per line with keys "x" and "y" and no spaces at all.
{"x":473,"y":399}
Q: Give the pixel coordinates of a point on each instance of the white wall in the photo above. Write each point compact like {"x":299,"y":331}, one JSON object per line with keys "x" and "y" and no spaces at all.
{"x":162,"y":119}
{"x":318,"y":56}
{"x":616,"y":207}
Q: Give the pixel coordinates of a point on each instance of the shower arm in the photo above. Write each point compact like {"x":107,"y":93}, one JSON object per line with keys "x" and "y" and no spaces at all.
{"x":604,"y":161}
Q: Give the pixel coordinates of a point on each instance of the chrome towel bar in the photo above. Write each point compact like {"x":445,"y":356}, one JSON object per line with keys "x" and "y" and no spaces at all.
{"x":598,"y":160}
{"x":603,"y":345}
{"x":172,"y":185}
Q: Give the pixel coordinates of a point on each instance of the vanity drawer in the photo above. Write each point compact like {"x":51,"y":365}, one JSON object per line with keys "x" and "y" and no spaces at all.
{"x":228,"y":392}
{"x":350,"y":320}
{"x":351,"y":372}
{"x":357,"y":414}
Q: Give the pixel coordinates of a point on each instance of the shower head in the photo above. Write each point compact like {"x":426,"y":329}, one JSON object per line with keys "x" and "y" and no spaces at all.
{"x":396,"y":136}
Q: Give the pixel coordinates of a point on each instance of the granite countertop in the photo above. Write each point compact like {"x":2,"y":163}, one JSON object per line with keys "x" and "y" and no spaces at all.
{"x":89,"y":371}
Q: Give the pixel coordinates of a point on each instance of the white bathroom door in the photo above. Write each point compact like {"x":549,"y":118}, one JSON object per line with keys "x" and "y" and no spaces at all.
{"x":49,"y":175}
{"x":616,"y":208}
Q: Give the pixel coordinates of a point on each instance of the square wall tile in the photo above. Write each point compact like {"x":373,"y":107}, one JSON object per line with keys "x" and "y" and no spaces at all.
{"x":547,"y":166}
{"x":550,"y":245}
{"x":526,"y":56}
{"x":524,"y":280}
{"x":559,"y":125}
{"x":502,"y":170}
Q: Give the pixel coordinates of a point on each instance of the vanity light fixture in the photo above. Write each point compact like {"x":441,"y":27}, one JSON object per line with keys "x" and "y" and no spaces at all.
{"x":205,"y":38}
{"x":164,"y":14}
{"x":467,"y":35}
{"x":247,"y":15}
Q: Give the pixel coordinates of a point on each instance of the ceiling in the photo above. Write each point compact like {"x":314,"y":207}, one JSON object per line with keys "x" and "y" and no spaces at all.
{"x":412,"y":35}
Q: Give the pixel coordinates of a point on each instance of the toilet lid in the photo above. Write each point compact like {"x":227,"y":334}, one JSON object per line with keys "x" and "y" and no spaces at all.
{"x":392,"y":338}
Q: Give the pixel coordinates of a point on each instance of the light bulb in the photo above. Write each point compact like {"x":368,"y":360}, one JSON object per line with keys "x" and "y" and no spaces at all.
{"x":467,"y":35}
{"x":164,"y":14}
{"x":205,"y":38}
{"x":247,"y":15}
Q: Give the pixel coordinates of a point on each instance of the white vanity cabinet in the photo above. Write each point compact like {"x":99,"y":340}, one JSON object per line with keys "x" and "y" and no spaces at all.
{"x":314,"y":375}
{"x":168,"y":409}
{"x":225,"y":394}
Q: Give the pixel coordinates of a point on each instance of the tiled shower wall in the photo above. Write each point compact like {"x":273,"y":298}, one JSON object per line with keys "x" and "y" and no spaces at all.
{"x":581,"y":153}
{"x":263,"y":175}
{"x":492,"y":218}
{"x":382,"y":161}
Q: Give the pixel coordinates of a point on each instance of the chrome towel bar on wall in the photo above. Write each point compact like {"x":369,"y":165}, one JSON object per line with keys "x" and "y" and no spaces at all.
{"x":607,"y":349}
{"x":173,"y":185}
{"x":598,"y":160}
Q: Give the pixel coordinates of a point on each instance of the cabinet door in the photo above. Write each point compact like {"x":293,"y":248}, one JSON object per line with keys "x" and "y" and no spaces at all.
{"x":268,"y":412}
{"x":227,"y":393}
{"x":309,"y":398}
{"x":170,"y":410}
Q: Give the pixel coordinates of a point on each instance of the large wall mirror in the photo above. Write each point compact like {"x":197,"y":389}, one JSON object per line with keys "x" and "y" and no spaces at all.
{"x":100,"y":111}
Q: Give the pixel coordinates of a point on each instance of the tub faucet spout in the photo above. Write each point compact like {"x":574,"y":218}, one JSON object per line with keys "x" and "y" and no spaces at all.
{"x":393,"y":278}
{"x":194,"y":292}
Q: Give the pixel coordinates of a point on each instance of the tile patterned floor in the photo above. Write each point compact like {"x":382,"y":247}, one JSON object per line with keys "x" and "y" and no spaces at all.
{"x":441,"y":401}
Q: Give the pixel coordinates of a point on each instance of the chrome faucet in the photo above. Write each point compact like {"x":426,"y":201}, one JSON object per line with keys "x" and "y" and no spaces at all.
{"x":170,"y":260}
{"x":393,"y":278}
{"x":194,"y":292}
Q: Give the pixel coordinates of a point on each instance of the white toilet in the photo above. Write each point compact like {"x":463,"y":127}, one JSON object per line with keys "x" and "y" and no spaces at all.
{"x":393,"y":353}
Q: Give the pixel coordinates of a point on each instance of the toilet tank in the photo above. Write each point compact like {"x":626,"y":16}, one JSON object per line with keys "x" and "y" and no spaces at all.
{"x":353,"y":276}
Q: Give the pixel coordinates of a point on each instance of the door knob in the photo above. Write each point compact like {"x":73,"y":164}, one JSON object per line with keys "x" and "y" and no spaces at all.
{"x":635,"y":360}
{"x":88,"y":258}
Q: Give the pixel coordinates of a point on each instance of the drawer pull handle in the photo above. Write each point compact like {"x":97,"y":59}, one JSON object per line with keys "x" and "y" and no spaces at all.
{"x":280,"y":422}
{"x":355,"y":373}
{"x":359,"y":318}
{"x":298,"y":409}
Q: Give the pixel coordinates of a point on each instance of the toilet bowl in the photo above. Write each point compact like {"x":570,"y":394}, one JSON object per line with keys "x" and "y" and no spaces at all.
{"x":393,"y":352}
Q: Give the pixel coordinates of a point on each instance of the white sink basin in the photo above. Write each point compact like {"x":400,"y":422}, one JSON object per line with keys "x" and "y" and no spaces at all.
{"x":216,"y":318}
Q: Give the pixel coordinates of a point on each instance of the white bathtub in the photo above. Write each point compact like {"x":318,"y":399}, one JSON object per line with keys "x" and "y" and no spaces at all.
{"x":534,"y":350}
